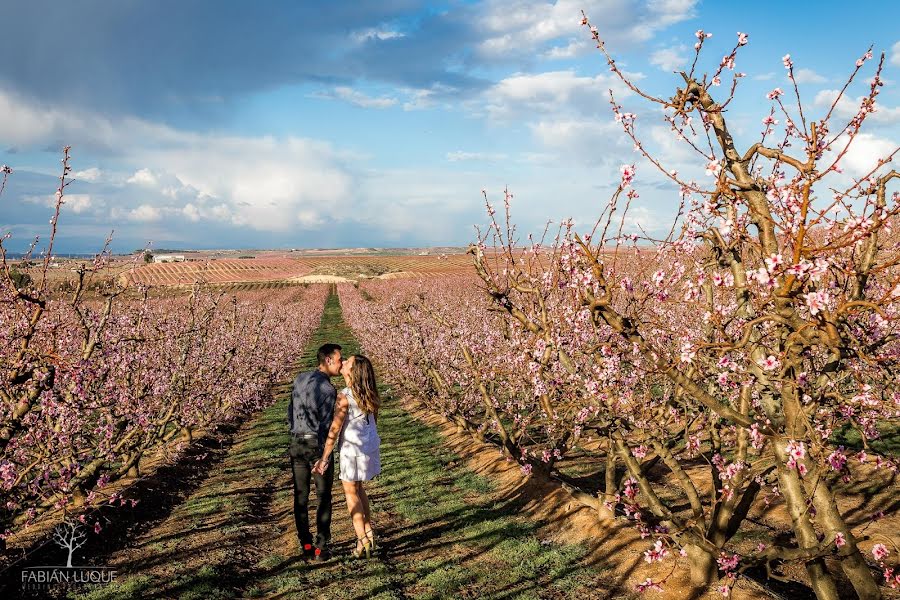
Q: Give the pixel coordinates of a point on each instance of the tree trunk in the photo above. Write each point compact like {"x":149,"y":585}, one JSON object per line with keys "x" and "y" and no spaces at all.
{"x":608,"y":497}
{"x":135,"y":469}
{"x":853,"y":564}
{"x":703,"y":566}
{"x":78,"y":497}
{"x":792,"y":490}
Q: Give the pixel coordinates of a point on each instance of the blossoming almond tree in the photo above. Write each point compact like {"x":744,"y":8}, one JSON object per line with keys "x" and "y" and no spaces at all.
{"x":91,"y":384}
{"x":714,"y":366}
{"x":800,"y":310}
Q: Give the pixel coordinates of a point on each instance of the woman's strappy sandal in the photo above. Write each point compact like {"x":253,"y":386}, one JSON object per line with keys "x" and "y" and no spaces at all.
{"x":370,"y":535}
{"x":363,"y":548}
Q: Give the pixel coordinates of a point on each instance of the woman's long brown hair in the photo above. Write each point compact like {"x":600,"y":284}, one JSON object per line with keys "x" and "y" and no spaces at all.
{"x":362,"y":383}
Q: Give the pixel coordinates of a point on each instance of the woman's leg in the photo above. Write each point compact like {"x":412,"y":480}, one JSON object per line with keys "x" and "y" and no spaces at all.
{"x":367,"y":511}
{"x":355,"y":507}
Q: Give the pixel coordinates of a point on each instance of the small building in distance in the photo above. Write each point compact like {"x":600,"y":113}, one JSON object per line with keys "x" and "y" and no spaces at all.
{"x":168,"y":258}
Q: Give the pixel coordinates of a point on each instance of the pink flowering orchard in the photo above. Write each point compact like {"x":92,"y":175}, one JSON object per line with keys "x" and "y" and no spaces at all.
{"x":93,"y":384}
{"x":708,"y":371}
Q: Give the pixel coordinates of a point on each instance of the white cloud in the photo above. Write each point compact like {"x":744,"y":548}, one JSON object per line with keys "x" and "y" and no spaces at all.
{"x":895,"y":54}
{"x":92,"y":174}
{"x":264,"y":183}
{"x":78,"y":203}
{"x":419,"y":100}
{"x":808,"y":76}
{"x":571,"y":50}
{"x":863,"y":155}
{"x":764,"y":76}
{"x":145,"y":213}
{"x":143,"y":177}
{"x":374,"y":33}
{"x":191,"y":212}
{"x":424,"y":98}
{"x":360,"y":99}
{"x":551,"y":92}
{"x":847,"y":107}
{"x":580,"y":140}
{"x":669,"y":59}
{"x":526,"y":25}
{"x":459,"y":155}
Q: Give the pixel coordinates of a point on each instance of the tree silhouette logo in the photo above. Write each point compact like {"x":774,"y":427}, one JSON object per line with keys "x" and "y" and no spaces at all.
{"x":70,"y":536}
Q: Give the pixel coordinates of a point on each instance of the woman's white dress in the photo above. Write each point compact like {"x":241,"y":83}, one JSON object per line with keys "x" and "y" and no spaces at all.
{"x":358,"y":444}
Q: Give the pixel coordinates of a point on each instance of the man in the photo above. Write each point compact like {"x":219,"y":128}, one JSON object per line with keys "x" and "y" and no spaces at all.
{"x":310,"y":413}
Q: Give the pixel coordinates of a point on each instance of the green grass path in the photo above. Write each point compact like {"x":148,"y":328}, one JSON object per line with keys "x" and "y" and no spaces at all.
{"x":444,"y":531}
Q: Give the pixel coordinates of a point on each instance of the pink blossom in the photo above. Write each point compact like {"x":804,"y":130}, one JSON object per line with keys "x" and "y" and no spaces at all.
{"x":817,"y":301}
{"x":839,"y":540}
{"x":775,"y":93}
{"x":648,"y":584}
{"x":796,"y":450}
{"x":657,"y":553}
{"x":728,"y":563}
{"x":788,"y":63}
{"x":627,"y":175}
{"x":713,"y":167}
{"x":773,"y":262}
{"x":743,"y":38}
{"x":880,"y":552}
{"x":837,"y":460}
{"x":770,"y":363}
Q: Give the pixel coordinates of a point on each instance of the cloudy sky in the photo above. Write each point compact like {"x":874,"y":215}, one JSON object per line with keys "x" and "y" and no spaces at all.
{"x":217,"y":123}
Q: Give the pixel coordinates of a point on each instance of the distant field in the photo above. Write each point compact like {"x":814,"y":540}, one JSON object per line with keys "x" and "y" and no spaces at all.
{"x":299,"y":269}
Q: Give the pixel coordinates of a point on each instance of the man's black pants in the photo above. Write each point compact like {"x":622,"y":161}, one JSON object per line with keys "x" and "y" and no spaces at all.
{"x":304,"y":454}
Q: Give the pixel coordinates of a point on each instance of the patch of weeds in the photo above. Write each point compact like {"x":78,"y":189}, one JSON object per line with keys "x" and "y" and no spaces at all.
{"x":205,"y":584}
{"x":475,"y":483}
{"x":231,"y":529}
{"x":446,"y":581}
{"x":121,"y":589}
{"x":199,"y":507}
{"x":271,"y":561}
{"x":288,"y":582}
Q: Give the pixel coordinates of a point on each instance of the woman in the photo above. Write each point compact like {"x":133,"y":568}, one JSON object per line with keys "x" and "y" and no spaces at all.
{"x":355,"y":417}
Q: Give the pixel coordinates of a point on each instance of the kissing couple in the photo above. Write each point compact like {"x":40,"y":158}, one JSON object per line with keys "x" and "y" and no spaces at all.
{"x":321,"y":420}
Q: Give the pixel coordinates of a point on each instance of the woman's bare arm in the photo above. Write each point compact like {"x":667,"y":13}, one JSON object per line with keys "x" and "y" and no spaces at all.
{"x":341,"y":406}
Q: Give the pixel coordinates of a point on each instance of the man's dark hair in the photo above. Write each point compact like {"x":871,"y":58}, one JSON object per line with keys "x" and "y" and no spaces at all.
{"x":326,"y":350}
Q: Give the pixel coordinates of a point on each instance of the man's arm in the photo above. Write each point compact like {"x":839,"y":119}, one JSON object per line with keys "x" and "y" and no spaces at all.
{"x":290,"y":408}
{"x":328,"y":397}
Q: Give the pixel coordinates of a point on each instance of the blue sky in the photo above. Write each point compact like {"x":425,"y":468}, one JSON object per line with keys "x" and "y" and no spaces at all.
{"x":211,"y":124}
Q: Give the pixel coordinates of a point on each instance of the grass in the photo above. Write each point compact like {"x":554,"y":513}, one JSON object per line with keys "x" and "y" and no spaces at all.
{"x":888,"y":443}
